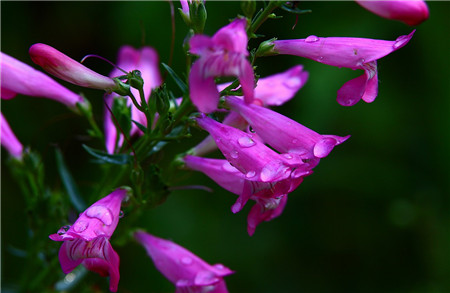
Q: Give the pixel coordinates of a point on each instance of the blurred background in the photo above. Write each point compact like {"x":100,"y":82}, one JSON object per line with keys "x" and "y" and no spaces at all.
{"x":374,"y":216}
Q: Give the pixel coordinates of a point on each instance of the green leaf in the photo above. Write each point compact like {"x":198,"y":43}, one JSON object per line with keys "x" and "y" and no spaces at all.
{"x":140,"y":126}
{"x":69,"y":184}
{"x":117,"y":159}
{"x":183,"y":87}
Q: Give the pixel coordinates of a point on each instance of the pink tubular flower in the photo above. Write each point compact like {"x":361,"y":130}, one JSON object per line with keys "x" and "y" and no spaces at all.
{"x":251,"y":157}
{"x":224,"y":54}
{"x":65,"y":68}
{"x":283,"y":134}
{"x":87,"y":240}
{"x":273,"y":90}
{"x":410,"y":12}
{"x":146,"y":61}
{"x":185,"y":270}
{"x":270,"y":197}
{"x":9,"y":140}
{"x":354,"y":53}
{"x":20,"y":78}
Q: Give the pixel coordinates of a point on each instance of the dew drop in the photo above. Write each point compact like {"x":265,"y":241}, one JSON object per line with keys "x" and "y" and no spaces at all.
{"x":99,"y":232}
{"x":234,"y":154}
{"x":100,"y":212}
{"x":293,"y":83}
{"x":228,"y":167}
{"x":267,"y":174}
{"x":186,"y":260}
{"x":250,"y":174}
{"x":121,"y":214}
{"x":250,"y":129}
{"x":246,"y":142}
{"x":63,"y":230}
{"x":311,"y":39}
{"x":294,"y":141}
{"x":80,"y":226}
{"x":320,"y":59}
{"x":219,"y":266}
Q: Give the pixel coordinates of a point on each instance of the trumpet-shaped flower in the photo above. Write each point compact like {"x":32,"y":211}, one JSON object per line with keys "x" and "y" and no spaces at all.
{"x":284,"y":134}
{"x":410,"y":12}
{"x":8,"y":140}
{"x":146,"y":61}
{"x":270,"y":197}
{"x":185,"y":270}
{"x":249,"y":155}
{"x":20,"y":78}
{"x":224,"y":54}
{"x":273,"y":90}
{"x":87,"y":240}
{"x":354,"y":53}
{"x":65,"y":68}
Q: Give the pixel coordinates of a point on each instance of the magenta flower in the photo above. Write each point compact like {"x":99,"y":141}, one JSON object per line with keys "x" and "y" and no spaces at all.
{"x":65,"y":68}
{"x":20,"y":78}
{"x":8,"y":140}
{"x":146,"y":61}
{"x":410,"y":12}
{"x":284,"y":134}
{"x":273,"y":90}
{"x":87,"y":240}
{"x":270,"y":197}
{"x":249,"y":155}
{"x":224,"y":54}
{"x":354,"y":53}
{"x":185,"y":270}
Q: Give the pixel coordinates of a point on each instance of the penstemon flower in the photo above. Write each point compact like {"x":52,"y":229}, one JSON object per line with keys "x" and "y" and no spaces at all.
{"x":411,"y":12}
{"x":65,"y":68}
{"x":20,"y":78}
{"x":8,"y":140}
{"x":185,"y":270}
{"x":286,"y":135}
{"x":354,"y":53}
{"x":146,"y":61}
{"x":270,"y":197}
{"x":223,"y":54}
{"x":87,"y":240}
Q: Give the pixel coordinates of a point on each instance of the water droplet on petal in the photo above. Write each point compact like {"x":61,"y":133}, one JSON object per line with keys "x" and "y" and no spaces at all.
{"x":121,"y":214}
{"x":311,"y":39}
{"x":319,"y":59}
{"x":219,"y":266}
{"x":267,"y":174}
{"x":100,"y":212}
{"x":250,"y":174}
{"x":234,"y":154}
{"x":287,"y":156}
{"x":246,"y":142}
{"x":99,"y":232}
{"x":229,"y":168}
{"x":80,"y":226}
{"x":294,"y":141}
{"x":293,"y":83}
{"x":186,"y":260}
{"x":63,"y":230}
{"x":250,"y":129}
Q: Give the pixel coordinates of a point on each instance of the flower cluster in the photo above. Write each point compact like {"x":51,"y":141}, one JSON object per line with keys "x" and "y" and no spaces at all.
{"x":266,"y":155}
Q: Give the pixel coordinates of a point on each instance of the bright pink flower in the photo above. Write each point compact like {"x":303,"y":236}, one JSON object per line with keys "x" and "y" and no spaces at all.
{"x":354,"y":53}
{"x":87,"y":240}
{"x":64,"y":67}
{"x":270,"y":197}
{"x":410,"y":12}
{"x":251,"y":157}
{"x":224,"y":54}
{"x":284,"y":134}
{"x":185,"y":270}
{"x":273,"y":90}
{"x":20,"y":78}
{"x":146,"y":61}
{"x":9,"y":140}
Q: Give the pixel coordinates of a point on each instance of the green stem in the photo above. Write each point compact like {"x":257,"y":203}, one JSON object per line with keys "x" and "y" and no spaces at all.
{"x":262,"y":17}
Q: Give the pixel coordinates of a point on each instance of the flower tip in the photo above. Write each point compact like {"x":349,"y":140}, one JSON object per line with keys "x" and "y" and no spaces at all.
{"x":403,"y":40}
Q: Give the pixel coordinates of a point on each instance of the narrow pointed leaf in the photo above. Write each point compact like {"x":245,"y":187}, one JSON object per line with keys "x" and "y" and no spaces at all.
{"x":183,"y":87}
{"x":117,"y":159}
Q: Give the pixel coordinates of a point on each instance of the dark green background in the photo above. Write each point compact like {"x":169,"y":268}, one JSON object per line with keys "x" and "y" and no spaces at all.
{"x":375,"y":215}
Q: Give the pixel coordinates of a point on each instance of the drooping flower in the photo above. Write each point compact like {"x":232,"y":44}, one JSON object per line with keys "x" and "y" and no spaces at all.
{"x":354,"y":53}
{"x":224,"y":54}
{"x":284,"y":134}
{"x":249,"y":156}
{"x":87,"y":240}
{"x":273,"y":90}
{"x":20,"y":78}
{"x":8,"y":140}
{"x":410,"y":12}
{"x":146,"y":61}
{"x":65,"y":68}
{"x":270,"y":197}
{"x":185,"y":270}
